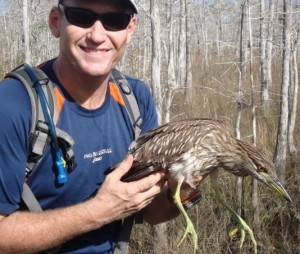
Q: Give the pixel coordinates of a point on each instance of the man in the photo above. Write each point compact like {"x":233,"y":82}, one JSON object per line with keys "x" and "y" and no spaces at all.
{"x":83,"y":215}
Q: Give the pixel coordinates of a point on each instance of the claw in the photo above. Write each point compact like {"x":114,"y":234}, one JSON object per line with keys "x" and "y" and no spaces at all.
{"x":243,"y":228}
{"x":242,"y":225}
{"x":189,"y":225}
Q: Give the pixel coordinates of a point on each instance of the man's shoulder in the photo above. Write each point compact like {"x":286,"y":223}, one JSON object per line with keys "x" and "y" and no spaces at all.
{"x":139,"y":87}
{"x":145,"y":102}
{"x":13,"y":94}
{"x":135,"y":81}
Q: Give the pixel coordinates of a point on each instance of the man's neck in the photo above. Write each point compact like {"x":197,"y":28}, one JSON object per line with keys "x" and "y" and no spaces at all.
{"x":89,"y":92}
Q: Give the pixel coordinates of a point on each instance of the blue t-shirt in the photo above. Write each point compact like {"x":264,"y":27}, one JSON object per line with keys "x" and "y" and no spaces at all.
{"x":101,"y":136}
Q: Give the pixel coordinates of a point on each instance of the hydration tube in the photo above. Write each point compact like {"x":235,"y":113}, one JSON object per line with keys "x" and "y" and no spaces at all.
{"x":60,"y":163}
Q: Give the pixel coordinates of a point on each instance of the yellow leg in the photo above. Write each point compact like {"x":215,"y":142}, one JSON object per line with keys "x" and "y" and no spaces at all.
{"x":189,"y":225}
{"x":243,"y":226}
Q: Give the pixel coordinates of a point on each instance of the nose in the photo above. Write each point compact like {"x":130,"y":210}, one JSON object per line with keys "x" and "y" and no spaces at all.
{"x":97,"y":32}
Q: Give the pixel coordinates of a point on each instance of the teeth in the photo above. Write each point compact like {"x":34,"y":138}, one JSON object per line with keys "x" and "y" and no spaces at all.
{"x":95,"y":50}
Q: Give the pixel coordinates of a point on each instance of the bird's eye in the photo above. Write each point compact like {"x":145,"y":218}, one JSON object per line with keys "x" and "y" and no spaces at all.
{"x":261,"y":169}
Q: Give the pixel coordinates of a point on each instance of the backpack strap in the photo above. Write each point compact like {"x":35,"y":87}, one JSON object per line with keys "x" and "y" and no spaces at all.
{"x":136,"y":120}
{"x":39,"y":138}
{"x":129,"y":100}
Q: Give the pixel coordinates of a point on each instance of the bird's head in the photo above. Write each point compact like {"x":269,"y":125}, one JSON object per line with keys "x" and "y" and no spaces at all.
{"x":260,"y":166}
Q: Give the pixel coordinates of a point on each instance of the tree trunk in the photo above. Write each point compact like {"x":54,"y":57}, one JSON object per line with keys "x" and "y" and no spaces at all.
{"x":189,"y":74}
{"x":160,"y":240}
{"x":269,"y":51}
{"x":240,"y":107}
{"x":255,"y":204}
{"x":172,"y":85}
{"x":263,"y":60}
{"x":281,"y":143}
{"x":26,"y":32}
{"x":159,"y":231}
{"x":182,"y":46}
{"x":156,"y":56}
{"x":293,"y":104}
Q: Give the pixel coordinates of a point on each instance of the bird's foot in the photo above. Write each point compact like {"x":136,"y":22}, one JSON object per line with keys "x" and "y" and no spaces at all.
{"x":189,"y":224}
{"x":190,"y":230}
{"x":244,"y":228}
{"x":242,"y":225}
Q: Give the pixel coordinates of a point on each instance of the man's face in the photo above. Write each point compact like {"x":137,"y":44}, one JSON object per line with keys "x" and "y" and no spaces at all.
{"x":92,"y":51}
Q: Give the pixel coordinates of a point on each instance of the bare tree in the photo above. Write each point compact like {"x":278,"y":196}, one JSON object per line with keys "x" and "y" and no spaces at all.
{"x":156,"y":55}
{"x":255,"y":203}
{"x":159,"y":231}
{"x":269,"y":44}
{"x":266,"y":49}
{"x":240,"y":104}
{"x":182,"y":45}
{"x":293,"y":91}
{"x":281,"y":143}
{"x":172,"y":85}
{"x":26,"y":31}
{"x":263,"y":59}
{"x":189,"y":73}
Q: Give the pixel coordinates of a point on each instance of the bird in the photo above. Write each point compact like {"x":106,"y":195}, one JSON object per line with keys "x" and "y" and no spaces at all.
{"x":201,"y":147}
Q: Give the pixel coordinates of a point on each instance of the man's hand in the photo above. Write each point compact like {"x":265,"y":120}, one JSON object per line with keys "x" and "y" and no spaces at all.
{"x":123,"y":199}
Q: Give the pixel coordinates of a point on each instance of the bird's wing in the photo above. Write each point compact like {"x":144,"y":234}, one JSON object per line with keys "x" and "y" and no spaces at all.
{"x":171,"y":144}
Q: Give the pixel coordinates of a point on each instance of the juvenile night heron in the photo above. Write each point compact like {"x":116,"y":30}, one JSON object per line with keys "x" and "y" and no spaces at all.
{"x":197,"y":147}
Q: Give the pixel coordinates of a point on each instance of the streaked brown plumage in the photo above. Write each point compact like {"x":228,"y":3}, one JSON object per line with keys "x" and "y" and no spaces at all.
{"x":199,"y":147}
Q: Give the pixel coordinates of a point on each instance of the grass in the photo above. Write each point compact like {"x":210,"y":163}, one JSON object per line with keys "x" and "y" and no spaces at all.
{"x":279,"y":231}
{"x":213,"y":96}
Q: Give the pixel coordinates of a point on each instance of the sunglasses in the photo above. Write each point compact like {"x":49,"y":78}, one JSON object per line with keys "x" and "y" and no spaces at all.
{"x":85,"y":18}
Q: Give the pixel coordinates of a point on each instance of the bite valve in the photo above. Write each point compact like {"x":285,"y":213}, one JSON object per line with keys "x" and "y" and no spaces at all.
{"x":62,"y":176}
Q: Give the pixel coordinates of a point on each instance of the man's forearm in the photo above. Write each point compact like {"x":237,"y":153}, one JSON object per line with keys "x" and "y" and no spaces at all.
{"x":25,"y":232}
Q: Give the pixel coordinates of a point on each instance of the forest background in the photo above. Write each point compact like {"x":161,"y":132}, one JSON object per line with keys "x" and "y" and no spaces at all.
{"x":235,"y":60}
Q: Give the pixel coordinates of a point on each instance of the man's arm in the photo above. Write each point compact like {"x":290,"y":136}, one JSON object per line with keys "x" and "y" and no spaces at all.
{"x":26,"y":232}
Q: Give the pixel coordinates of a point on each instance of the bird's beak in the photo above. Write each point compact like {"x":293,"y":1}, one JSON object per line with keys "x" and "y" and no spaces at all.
{"x":275,"y":184}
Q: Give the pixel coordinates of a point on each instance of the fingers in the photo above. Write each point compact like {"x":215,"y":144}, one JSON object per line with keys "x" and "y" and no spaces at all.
{"x":155,"y":179}
{"x":124,"y":198}
{"x":145,"y":195}
{"x":142,"y":185}
{"x":123,"y":167}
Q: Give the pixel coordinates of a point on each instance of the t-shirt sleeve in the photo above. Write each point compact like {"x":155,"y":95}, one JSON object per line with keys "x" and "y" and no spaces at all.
{"x":15,"y":122}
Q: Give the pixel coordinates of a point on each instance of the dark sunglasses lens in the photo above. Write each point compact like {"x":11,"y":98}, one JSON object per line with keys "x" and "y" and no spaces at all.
{"x":115,"y":21}
{"x":85,"y":19}
{"x":80,"y":17}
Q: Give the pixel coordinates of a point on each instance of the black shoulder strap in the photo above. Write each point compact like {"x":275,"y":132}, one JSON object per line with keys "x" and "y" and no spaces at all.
{"x":130,"y":101}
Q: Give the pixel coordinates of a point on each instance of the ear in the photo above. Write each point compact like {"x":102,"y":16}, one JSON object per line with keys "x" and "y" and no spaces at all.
{"x":131,"y":28}
{"x":54,"y":21}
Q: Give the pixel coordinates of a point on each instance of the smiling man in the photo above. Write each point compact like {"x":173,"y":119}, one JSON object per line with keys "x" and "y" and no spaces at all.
{"x":84,"y":214}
